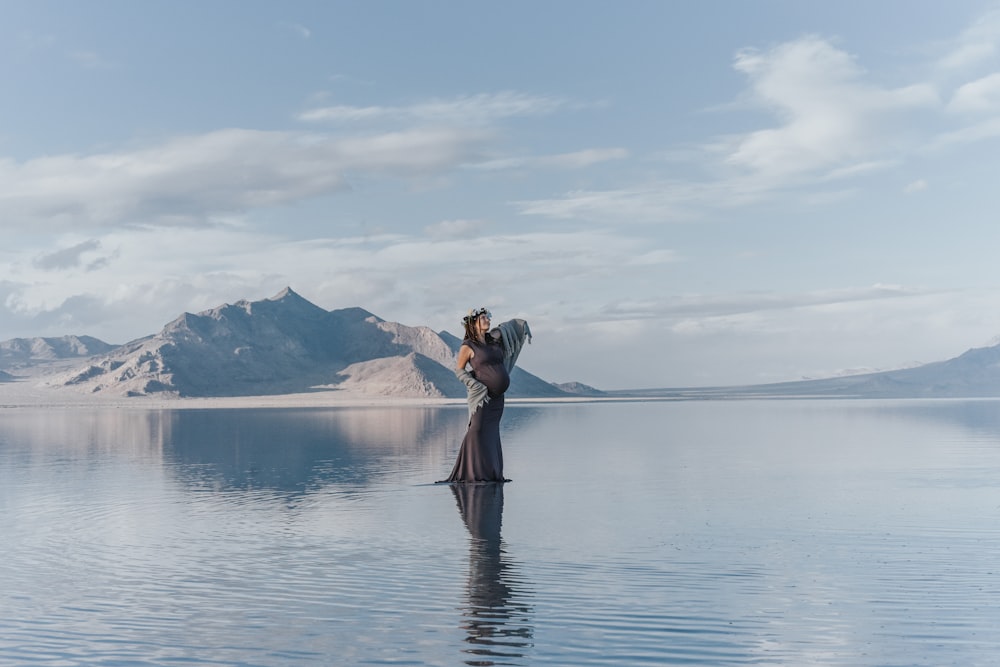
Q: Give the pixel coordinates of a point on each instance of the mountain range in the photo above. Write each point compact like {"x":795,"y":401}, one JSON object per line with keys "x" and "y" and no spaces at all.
{"x":280,"y":345}
{"x":286,"y":345}
{"x":973,"y":374}
{"x":23,"y":352}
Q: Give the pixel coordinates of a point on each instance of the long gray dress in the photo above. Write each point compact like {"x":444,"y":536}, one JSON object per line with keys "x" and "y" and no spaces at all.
{"x":481,"y":458}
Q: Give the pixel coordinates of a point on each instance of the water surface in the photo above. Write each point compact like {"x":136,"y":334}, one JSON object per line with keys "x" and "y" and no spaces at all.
{"x":696,"y":533}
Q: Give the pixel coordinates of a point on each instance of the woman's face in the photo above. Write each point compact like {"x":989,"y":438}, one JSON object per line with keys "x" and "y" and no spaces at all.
{"x":483,"y":322}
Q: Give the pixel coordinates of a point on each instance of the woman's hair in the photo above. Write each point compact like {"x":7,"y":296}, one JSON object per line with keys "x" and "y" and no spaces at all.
{"x":470,"y":319}
{"x":470,"y":329}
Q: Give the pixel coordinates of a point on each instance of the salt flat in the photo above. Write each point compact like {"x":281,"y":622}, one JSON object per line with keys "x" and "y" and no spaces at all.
{"x":32,"y":391}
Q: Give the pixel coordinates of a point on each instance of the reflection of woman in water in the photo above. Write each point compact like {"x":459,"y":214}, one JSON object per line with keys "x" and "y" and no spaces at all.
{"x":492,"y":354}
{"x":497,"y":619}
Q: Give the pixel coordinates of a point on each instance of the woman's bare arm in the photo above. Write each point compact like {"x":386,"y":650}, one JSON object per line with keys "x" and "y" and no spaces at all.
{"x":465,"y":353}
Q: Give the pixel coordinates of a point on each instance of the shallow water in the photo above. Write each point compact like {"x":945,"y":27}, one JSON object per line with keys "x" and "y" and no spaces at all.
{"x":695,"y":533}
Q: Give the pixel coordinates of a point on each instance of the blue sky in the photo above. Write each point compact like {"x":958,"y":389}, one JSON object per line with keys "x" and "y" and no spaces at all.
{"x":673,"y":194}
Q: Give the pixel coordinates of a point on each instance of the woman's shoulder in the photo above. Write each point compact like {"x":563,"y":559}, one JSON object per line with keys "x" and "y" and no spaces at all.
{"x":492,"y":338}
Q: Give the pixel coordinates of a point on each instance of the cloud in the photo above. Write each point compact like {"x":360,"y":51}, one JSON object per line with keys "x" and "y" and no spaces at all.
{"x":830,"y":114}
{"x":67,"y":257}
{"x":199,"y":179}
{"x":481,"y":109}
{"x":161,"y":272}
{"x":347,"y":114}
{"x":750,"y":337}
{"x":456,"y":228}
{"x":977,"y":97}
{"x":669,"y":201}
{"x":731,"y":305}
{"x":916,"y":186}
{"x":654,"y":257}
{"x":78,"y":310}
{"x":710,"y":339}
{"x":575,"y":160}
{"x":830,"y":121}
{"x":971,"y":134}
{"x":193,"y":179}
{"x":978,"y":44}
{"x":298,"y":29}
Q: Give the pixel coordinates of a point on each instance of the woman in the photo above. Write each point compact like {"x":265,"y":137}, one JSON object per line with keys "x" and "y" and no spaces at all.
{"x":492,"y":354}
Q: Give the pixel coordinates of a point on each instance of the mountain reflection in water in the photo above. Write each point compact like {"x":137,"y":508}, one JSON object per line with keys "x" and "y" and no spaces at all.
{"x":297,"y":452}
{"x":497,"y":618}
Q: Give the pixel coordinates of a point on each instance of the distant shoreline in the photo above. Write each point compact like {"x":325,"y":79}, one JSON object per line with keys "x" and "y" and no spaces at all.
{"x":62,"y":399}
{"x":287,"y":401}
{"x":23,"y":395}
{"x":35,"y":392}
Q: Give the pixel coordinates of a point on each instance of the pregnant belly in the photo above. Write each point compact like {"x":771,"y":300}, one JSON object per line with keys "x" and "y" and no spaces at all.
{"x":495,"y":378}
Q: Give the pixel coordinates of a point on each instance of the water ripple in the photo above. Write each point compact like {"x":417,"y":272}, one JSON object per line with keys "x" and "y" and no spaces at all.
{"x":205,"y":557}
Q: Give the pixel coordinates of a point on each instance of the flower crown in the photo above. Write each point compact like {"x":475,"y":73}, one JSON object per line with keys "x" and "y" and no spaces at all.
{"x":474,"y":314}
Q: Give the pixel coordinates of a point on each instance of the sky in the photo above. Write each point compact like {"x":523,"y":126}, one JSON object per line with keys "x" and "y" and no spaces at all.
{"x":673,"y":194}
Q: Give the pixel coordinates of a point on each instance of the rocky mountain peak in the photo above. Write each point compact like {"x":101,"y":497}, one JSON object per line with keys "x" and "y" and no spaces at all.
{"x":23,"y":351}
{"x":284,"y":344}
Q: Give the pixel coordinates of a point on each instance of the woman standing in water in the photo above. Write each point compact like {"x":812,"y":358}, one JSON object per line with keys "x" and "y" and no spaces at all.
{"x":492,"y":354}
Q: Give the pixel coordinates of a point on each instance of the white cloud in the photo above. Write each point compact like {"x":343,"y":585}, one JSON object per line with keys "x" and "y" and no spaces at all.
{"x":979,"y":96}
{"x":734,"y":338}
{"x":575,"y":160}
{"x":584,"y":158}
{"x":860,"y":169}
{"x":481,"y":109}
{"x":654,"y":257}
{"x":191,"y":180}
{"x":831,"y":116}
{"x":153,"y":275}
{"x":300,"y":30}
{"x":725,"y":307}
{"x":665,"y":202}
{"x":346,"y":114}
{"x":832,"y":122}
{"x":978,"y":44}
{"x":456,"y":228}
{"x":971,"y":134}
{"x":916,"y":186}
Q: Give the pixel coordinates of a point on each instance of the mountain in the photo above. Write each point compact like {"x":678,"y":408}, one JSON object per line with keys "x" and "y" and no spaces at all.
{"x":24,"y":352}
{"x":284,"y":344}
{"x":973,"y":374}
{"x":579,"y":389}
